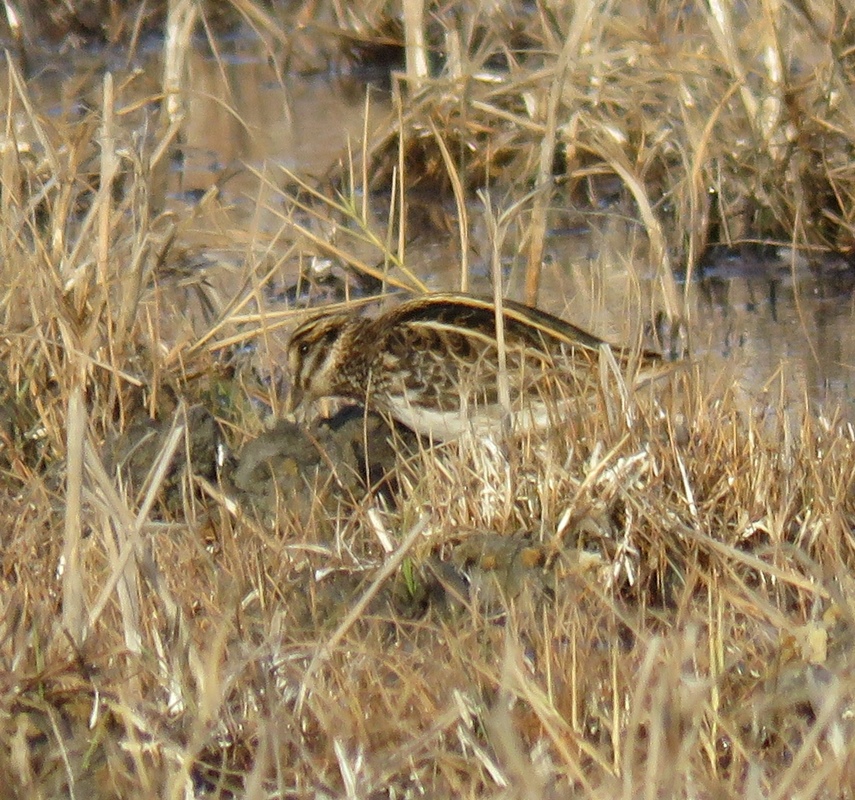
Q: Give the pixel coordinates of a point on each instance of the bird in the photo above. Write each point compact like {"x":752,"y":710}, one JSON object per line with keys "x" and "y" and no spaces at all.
{"x":434,"y":363}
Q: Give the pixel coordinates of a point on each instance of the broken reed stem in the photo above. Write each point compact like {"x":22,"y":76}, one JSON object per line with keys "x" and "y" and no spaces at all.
{"x":107,"y":141}
{"x":401,"y":184}
{"x":617,"y":160}
{"x":459,"y":202}
{"x":497,"y":234}
{"x":414,"y":42}
{"x":73,"y":605}
{"x":543,"y":185}
{"x":108,"y":168}
{"x":180,"y":19}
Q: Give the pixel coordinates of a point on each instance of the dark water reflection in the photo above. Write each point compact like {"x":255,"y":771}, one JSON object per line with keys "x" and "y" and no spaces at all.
{"x":765,"y":322}
{"x":800,"y":325}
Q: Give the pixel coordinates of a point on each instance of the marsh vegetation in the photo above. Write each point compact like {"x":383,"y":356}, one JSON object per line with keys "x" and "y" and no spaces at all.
{"x":198,"y":598}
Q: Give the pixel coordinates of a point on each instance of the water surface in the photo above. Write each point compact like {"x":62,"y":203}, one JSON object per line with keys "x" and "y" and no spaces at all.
{"x":759,"y":318}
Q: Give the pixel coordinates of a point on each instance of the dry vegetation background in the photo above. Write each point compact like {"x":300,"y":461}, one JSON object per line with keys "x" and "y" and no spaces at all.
{"x":659,"y":605}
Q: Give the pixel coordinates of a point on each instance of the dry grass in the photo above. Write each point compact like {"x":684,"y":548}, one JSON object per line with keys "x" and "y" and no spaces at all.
{"x":659,"y":598}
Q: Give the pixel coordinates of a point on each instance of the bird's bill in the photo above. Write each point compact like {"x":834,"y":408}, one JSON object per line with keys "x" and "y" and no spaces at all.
{"x":294,"y":399}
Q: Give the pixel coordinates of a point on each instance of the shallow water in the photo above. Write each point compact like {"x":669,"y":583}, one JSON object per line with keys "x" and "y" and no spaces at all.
{"x":762,"y":321}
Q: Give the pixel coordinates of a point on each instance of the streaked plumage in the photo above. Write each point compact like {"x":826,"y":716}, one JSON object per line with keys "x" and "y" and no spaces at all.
{"x":432,"y":363}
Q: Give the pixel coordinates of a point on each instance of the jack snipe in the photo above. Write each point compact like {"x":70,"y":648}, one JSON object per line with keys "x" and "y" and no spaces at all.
{"x":432,"y":363}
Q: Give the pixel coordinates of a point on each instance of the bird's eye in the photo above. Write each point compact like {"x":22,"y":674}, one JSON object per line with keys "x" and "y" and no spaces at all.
{"x":304,"y":348}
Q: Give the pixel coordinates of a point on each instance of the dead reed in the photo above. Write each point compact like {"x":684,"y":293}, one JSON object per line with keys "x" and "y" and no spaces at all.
{"x":653,"y":600}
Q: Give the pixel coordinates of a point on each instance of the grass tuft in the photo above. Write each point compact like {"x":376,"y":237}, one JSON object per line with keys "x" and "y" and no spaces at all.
{"x":653,"y":598}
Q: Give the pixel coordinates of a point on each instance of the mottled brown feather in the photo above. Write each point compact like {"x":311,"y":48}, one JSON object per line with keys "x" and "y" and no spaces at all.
{"x":428,"y":358}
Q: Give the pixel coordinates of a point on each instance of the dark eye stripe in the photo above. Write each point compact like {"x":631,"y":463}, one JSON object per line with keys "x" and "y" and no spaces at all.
{"x":314,"y":361}
{"x":313,"y":349}
{"x":320,"y":330}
